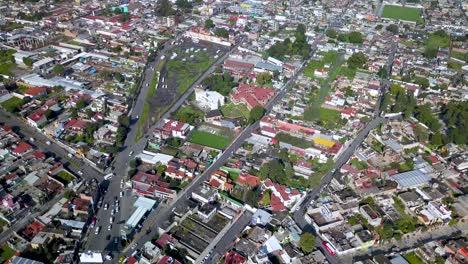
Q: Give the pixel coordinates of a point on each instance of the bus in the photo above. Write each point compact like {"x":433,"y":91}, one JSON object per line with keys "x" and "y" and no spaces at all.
{"x":331,"y":250}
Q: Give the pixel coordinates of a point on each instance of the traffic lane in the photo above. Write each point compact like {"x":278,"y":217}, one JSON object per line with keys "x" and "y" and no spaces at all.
{"x":75,"y":165}
{"x":229,"y":238}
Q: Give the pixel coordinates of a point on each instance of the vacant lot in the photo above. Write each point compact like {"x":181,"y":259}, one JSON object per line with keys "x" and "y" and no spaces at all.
{"x":64,"y":177}
{"x":6,"y":253}
{"x":235,"y":110}
{"x":402,"y":13}
{"x":209,"y":140}
{"x":13,"y":104}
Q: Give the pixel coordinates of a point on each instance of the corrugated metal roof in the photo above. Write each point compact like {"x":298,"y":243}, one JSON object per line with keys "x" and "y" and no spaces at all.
{"x":411,"y":178}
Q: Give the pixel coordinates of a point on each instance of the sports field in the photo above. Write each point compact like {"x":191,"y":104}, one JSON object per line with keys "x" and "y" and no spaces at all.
{"x":402,"y":13}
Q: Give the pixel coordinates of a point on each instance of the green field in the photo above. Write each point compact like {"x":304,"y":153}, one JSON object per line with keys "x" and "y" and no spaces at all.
{"x":142,"y":121}
{"x":13,"y":104}
{"x":209,"y":140}
{"x":328,"y":57}
{"x":64,"y":177}
{"x":402,"y":13}
{"x":6,"y":253}
{"x":412,"y":258}
{"x":185,"y":73}
{"x":235,"y":110}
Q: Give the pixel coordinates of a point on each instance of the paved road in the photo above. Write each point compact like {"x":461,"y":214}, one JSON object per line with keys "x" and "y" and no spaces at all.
{"x":100,"y":241}
{"x":341,"y":160}
{"x":411,"y":241}
{"x":165,"y":211}
{"x":217,"y":248}
{"x":73,"y":164}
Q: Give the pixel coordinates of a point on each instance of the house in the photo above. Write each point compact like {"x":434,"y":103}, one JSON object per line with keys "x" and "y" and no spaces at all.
{"x":210,"y":100}
{"x":168,"y":260}
{"x":172,"y":129}
{"x":33,"y":229}
{"x":251,"y":96}
{"x":370,"y":215}
{"x":213,"y":115}
{"x":37,"y":119}
{"x":348,"y":113}
{"x":150,"y":185}
{"x":281,"y":196}
{"x":204,"y":194}
{"x":233,"y":257}
{"x":320,"y":73}
{"x":22,"y":148}
{"x":247,"y":179}
{"x":76,"y":125}
{"x":35,"y":92}
{"x":165,"y":239}
{"x":238,"y":66}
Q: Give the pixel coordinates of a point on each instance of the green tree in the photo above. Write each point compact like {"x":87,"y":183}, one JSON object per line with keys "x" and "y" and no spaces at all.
{"x":263,"y":78}
{"x":118,"y":77}
{"x":58,"y":69}
{"x":423,"y":82}
{"x":81,"y":103}
{"x":256,"y":114}
{"x":331,"y":33}
{"x":209,"y":24}
{"x":184,"y":5}
{"x":49,"y":114}
{"x":382,"y":73}
{"x":307,"y":242}
{"x":222,"y":33}
{"x":355,"y":37}
{"x":357,"y":60}
{"x":436,"y":139}
{"x":421,"y":133}
{"x":120,"y":135}
{"x":27,"y":61}
{"x":164,"y":8}
{"x":392,"y":28}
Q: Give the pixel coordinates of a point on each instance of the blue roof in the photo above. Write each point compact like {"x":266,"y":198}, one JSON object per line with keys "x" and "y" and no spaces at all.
{"x":268,"y":66}
{"x":410,"y":179}
{"x":20,"y":260}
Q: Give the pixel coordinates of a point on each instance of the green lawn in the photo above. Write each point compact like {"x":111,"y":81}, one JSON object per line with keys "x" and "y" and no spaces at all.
{"x":209,"y":140}
{"x":5,"y":68}
{"x":189,"y":114}
{"x":64,"y":177}
{"x":402,"y":13}
{"x":13,"y":104}
{"x":328,"y":57}
{"x":235,"y":110}
{"x":6,"y":253}
{"x":142,"y":121}
{"x":348,"y":72}
{"x":329,"y":115}
{"x":185,"y":73}
{"x":459,"y":55}
{"x":412,"y":258}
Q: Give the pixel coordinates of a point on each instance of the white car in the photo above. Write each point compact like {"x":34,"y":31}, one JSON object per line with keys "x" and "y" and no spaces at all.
{"x":111,"y":220}
{"x":117,"y":209}
{"x":48,"y":143}
{"x":109,"y":227}
{"x":106,"y":205}
{"x":131,"y":152}
{"x":121,"y":194}
{"x":80,"y":173}
{"x":108,"y":257}
{"x":97,"y":230}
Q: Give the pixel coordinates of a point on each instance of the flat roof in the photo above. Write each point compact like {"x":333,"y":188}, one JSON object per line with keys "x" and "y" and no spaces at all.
{"x":412,"y":178}
{"x":136,"y":217}
{"x":20,"y":260}
{"x":144,"y":202}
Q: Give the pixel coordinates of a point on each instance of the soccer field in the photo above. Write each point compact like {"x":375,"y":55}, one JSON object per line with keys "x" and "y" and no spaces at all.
{"x":402,"y":13}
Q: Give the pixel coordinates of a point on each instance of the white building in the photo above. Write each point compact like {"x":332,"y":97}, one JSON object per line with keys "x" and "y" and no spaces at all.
{"x":209,"y":99}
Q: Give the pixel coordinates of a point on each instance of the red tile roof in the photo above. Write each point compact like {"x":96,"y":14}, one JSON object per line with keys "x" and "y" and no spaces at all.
{"x":35,"y":91}
{"x":276,"y":204}
{"x":234,"y":258}
{"x":76,"y":124}
{"x":22,"y":147}
{"x":39,"y":155}
{"x":38,"y":115}
{"x":252,"y":95}
{"x":165,"y":239}
{"x":168,"y":260}
{"x":247,"y":179}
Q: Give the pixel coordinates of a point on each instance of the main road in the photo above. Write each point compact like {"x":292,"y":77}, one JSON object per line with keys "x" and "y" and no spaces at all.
{"x":299,"y":214}
{"x":100,"y":241}
{"x":165,"y":211}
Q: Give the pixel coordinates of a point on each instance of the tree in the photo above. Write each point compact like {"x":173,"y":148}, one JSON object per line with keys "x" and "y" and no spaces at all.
{"x":436,"y":139}
{"x":164,"y":8}
{"x":378,"y":27}
{"x":421,"y":133}
{"x":424,"y":82}
{"x":27,"y":61}
{"x":392,"y":28}
{"x":307,"y":242}
{"x":120,"y":135}
{"x":209,"y":24}
{"x":357,"y":60}
{"x":355,"y":37}
{"x":256,"y":114}
{"x":81,"y":103}
{"x":58,"y":69}
{"x":331,"y":33}
{"x":222,"y":33}
{"x":69,"y":194}
{"x":49,"y":114}
{"x":263,"y":78}
{"x":118,"y":77}
{"x":382,"y":73}
{"x":184,"y":5}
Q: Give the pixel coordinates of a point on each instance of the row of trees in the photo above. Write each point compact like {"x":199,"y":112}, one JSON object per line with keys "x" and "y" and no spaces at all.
{"x":352,"y":37}
{"x":299,"y":47}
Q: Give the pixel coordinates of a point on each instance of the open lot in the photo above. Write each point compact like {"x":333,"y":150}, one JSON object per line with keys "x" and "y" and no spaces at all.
{"x":210,"y":140}
{"x":6,"y":253}
{"x":402,"y":13}
{"x":235,"y":110}
{"x":13,"y":104}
